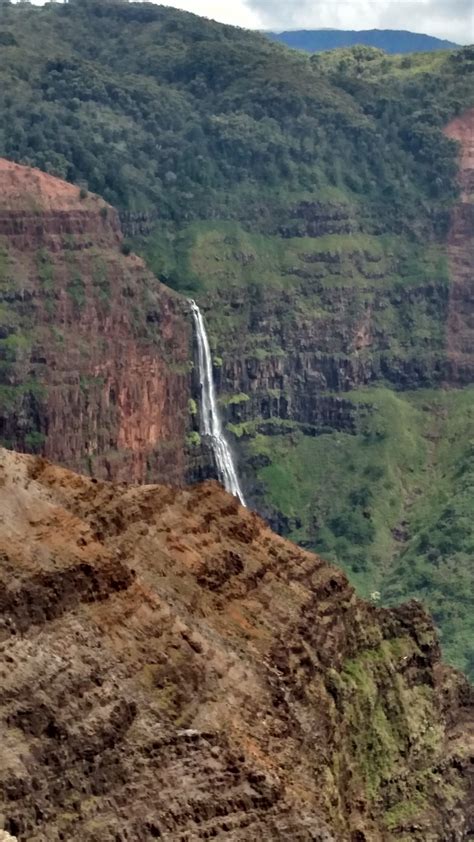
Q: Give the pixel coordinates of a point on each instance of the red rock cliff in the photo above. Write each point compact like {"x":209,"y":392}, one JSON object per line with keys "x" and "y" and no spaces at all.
{"x":94,"y":351}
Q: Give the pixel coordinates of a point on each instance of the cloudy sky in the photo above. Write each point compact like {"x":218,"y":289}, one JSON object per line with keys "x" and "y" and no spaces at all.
{"x":452,"y":19}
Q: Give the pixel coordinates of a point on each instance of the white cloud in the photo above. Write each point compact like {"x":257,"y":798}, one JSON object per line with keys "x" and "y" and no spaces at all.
{"x":235,"y":12}
{"x":452,"y":19}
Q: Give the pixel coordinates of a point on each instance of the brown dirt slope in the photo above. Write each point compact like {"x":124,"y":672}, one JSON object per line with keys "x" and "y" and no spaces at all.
{"x":172,"y":669}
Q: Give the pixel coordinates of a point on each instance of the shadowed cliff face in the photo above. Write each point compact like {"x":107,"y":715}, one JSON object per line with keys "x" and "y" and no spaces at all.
{"x":171,"y":669}
{"x":94,"y":351}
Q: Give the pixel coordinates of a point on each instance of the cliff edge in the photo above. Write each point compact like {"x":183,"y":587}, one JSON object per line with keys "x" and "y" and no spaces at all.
{"x":94,"y":352}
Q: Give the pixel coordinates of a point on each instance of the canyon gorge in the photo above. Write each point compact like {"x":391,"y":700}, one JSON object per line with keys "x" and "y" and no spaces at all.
{"x":169,"y":601}
{"x":93,"y":344}
{"x":222,"y":260}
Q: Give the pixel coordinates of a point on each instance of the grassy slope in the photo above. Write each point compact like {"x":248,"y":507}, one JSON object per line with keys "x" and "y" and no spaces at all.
{"x":391,"y":504}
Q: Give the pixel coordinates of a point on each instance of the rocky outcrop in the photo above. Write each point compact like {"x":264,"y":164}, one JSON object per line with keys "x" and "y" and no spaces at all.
{"x":39,"y":211}
{"x":313,"y":412}
{"x":295,"y":353}
{"x":95,"y":353}
{"x":171,"y":669}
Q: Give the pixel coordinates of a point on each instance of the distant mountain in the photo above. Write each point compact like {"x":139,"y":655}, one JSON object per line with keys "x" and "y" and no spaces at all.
{"x":390,"y":40}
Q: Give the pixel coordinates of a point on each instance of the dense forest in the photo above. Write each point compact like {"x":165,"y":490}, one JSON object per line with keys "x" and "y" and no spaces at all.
{"x":155,"y":108}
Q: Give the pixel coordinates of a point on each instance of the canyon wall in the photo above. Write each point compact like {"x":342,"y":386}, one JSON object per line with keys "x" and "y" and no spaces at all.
{"x":344,"y":356}
{"x":334,"y":308}
{"x":87,"y":333}
{"x":96,"y":354}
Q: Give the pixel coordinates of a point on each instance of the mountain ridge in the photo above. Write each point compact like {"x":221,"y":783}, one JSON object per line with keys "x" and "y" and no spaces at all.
{"x":389,"y":40}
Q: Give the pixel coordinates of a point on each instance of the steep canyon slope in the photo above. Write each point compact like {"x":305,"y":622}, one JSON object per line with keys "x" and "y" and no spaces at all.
{"x":171,"y":669}
{"x":460,"y":322}
{"x":94,"y":351}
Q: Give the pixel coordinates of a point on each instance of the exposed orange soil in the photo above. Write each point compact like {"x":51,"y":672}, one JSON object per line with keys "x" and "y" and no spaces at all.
{"x":19,"y":184}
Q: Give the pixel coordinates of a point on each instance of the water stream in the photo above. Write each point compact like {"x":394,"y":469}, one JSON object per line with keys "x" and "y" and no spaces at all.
{"x":211,"y":425}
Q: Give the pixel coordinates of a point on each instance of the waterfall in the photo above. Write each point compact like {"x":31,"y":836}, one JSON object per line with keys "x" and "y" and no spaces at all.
{"x":211,"y":424}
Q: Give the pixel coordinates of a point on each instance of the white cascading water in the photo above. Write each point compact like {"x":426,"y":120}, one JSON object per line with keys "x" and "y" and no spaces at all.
{"x":211,"y":424}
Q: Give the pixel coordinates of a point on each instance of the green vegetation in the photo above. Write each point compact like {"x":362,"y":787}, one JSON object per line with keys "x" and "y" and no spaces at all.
{"x":233,"y":400}
{"x":389,"y":727}
{"x":44,"y":269}
{"x":392,"y":726}
{"x":155,"y":108}
{"x":34,"y":441}
{"x":77,"y":291}
{"x":101,"y":281}
{"x":295,"y":284}
{"x":391,"y":503}
{"x":15,"y":401}
{"x":437,"y":563}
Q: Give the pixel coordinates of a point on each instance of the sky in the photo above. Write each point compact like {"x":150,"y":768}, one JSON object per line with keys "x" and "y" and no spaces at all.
{"x":451,"y":19}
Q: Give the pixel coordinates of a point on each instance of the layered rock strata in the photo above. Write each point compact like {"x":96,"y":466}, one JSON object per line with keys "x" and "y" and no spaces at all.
{"x":95,"y":354}
{"x":171,"y":669}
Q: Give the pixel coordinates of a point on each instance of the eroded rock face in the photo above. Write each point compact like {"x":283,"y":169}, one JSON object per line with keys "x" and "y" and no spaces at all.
{"x":171,"y":669}
{"x":95,"y":353}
